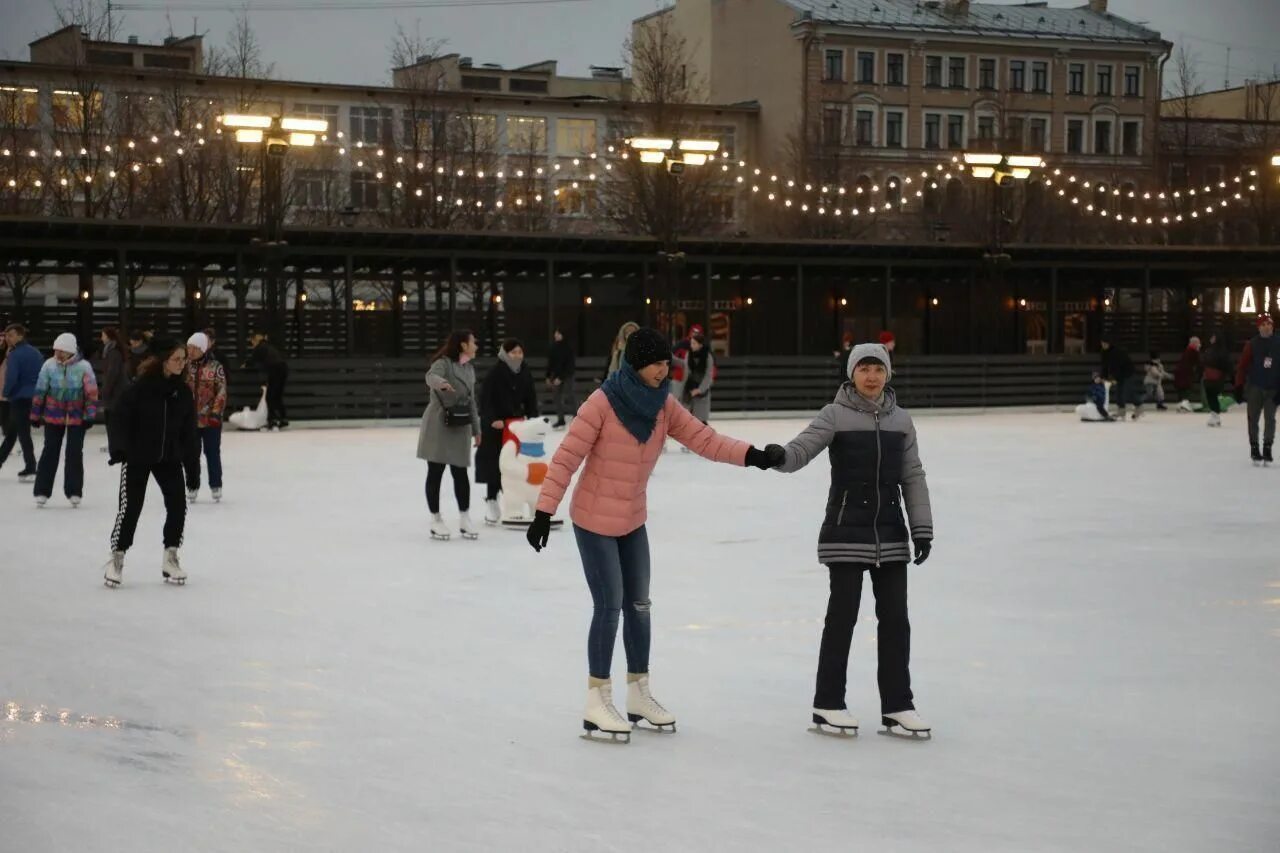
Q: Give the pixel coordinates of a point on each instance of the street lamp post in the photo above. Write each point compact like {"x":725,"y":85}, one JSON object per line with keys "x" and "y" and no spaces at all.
{"x":274,"y":135}
{"x":1004,"y":171}
{"x":676,"y":155}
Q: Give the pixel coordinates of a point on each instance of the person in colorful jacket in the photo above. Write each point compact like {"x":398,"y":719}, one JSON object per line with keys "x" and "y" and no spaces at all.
{"x":66,"y":402}
{"x":207,"y":379}
{"x":620,"y":432}
{"x":875,"y":472}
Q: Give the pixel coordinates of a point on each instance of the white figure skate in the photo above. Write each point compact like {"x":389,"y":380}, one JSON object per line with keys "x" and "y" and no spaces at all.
{"x":114,"y":574}
{"x":601,"y":716}
{"x":837,"y":722}
{"x":466,"y":528}
{"x":172,"y":569}
{"x":909,"y":721}
{"x":642,"y":706}
{"x":439,"y":530}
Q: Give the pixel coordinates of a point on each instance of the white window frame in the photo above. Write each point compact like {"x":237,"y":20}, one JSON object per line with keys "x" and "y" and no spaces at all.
{"x":843,"y":109}
{"x":1026,"y":74}
{"x":942,"y":77}
{"x":1098,"y":66}
{"x":906,"y":67}
{"x":978,"y":73}
{"x":844,"y":64}
{"x":968,"y":69}
{"x":1086,"y":140}
{"x":863,"y":107}
{"x":1124,"y":77}
{"x":1122,"y":121}
{"x":1048,"y":131}
{"x":946,"y":130}
{"x":924,"y":129}
{"x":1084,"y":79}
{"x":875,"y":67}
{"x":1093,"y":134}
{"x":1048,"y":77}
{"x":585,"y":150}
{"x":902,"y":114}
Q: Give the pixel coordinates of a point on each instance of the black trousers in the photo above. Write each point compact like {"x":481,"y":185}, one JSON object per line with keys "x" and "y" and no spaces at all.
{"x":133,"y":491}
{"x":19,"y":431}
{"x":276,"y":378}
{"x":461,"y":486}
{"x":47,"y":468}
{"x":893,"y":636}
{"x":1212,"y":393}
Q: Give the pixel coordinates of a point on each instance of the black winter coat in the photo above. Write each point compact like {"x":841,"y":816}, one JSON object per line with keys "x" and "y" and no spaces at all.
{"x":1116,"y":364}
{"x":561,"y":361}
{"x":503,"y":395}
{"x":154,"y":422}
{"x":266,"y":358}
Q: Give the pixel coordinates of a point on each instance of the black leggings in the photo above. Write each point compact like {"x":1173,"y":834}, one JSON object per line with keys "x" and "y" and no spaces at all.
{"x":1212,"y":394}
{"x":461,"y":486}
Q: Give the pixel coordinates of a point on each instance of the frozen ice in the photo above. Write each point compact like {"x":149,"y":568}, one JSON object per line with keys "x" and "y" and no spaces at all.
{"x":1096,"y":645}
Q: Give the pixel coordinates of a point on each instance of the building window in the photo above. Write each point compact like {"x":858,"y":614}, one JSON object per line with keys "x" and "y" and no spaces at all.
{"x":370,"y":125}
{"x":19,"y":106}
{"x":1015,"y":130}
{"x":932,"y":131}
{"x":986,"y":127}
{"x":366,"y":191}
{"x":955,"y":132}
{"x":533,"y":87}
{"x":1104,"y":80}
{"x":1075,"y":79}
{"x":866,"y":66}
{"x":986,"y":74}
{"x":328,"y":112}
{"x":481,"y":83}
{"x":1075,"y":136}
{"x":833,"y":125}
{"x":1039,"y":137}
{"x":893,"y":130}
{"x":526,"y":134}
{"x":572,"y":199}
{"x":863,"y":120}
{"x":1132,"y":81}
{"x":310,"y":188}
{"x":956,"y":76}
{"x":575,"y":135}
{"x":1101,"y":136}
{"x":933,"y":71}
{"x":833,"y":66}
{"x":1131,"y":138}
{"x":75,"y":111}
{"x":1178,"y":174}
{"x":1017,"y":75}
{"x":1040,"y":77}
{"x":897,"y":66}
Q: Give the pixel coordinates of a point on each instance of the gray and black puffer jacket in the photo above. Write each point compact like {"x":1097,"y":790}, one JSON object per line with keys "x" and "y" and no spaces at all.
{"x":875,"y":468}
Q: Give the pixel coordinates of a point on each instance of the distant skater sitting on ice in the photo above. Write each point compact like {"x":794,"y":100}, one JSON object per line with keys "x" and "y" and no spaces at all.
{"x":619,"y":432}
{"x":875,"y":469}
{"x":1095,"y":406}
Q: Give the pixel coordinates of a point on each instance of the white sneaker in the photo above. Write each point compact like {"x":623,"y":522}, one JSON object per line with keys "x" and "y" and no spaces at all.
{"x":465,"y":527}
{"x":115,"y":569}
{"x":75,"y":501}
{"x":41,"y":500}
{"x":192,"y":494}
{"x":908,"y":720}
{"x":171,"y":569}
{"x":839,"y":719}
{"x":439,"y":530}
{"x":601,"y":716}
{"x":216,"y":494}
{"x":492,"y":513}
{"x":642,"y":706}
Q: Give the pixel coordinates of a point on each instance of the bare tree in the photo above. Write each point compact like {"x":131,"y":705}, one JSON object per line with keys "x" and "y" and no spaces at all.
{"x":1262,"y":143}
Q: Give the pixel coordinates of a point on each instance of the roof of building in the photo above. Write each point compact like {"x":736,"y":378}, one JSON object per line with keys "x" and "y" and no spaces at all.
{"x":1037,"y":20}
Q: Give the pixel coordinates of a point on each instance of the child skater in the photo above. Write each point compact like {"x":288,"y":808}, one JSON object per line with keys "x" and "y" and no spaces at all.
{"x":875,"y":469}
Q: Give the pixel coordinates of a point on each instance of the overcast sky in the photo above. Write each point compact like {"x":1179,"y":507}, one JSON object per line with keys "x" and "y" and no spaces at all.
{"x":352,"y":46}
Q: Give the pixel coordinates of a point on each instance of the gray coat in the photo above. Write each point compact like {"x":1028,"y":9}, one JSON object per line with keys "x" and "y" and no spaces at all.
{"x":875,"y":468}
{"x":445,"y":444}
{"x":700,"y":406}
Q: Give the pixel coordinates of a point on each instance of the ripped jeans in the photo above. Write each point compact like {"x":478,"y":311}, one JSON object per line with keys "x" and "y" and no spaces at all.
{"x":617,"y":570}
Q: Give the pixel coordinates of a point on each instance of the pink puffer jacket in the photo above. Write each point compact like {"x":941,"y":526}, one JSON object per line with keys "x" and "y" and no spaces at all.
{"x":610,"y":498}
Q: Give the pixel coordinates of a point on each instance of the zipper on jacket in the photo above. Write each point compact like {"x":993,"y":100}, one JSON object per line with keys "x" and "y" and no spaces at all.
{"x":844,"y":500}
{"x":875,"y":523}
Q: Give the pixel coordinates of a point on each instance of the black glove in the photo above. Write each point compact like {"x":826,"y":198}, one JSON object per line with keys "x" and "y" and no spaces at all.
{"x":777,"y":455}
{"x":923,"y":547}
{"x":539,"y":530}
{"x":757,"y":458}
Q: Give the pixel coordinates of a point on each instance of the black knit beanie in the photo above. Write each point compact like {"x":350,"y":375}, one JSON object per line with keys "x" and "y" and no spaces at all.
{"x":647,"y":346}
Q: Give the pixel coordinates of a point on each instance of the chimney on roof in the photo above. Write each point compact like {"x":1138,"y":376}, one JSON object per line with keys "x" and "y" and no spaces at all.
{"x":464,"y":62}
{"x":1099,"y":6}
{"x":133,"y":39}
{"x":957,"y":7}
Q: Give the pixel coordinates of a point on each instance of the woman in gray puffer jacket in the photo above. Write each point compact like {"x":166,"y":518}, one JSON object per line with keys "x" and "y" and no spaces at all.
{"x":875,"y":469}
{"x":451,"y":383}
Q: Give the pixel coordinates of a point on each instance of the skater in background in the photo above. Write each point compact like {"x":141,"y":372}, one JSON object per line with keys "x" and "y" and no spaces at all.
{"x":507,"y":394}
{"x":840,"y":358}
{"x":1186,"y":375}
{"x":1215,"y":370}
{"x":207,"y":381}
{"x":888,"y":341}
{"x":561,"y":365}
{"x":138,"y":351}
{"x":152,"y":431}
{"x":450,"y":428}
{"x":274,"y":370}
{"x":1117,"y":368}
{"x":22,"y":366}
{"x":111,"y":369}
{"x":875,"y":470}
{"x":693,"y":369}
{"x":619,"y":432}
{"x":1258,"y":383}
{"x":618,"y":349}
{"x":66,"y":402}
{"x":212,"y":352}
{"x":1095,"y":406}
{"x":1153,"y":380}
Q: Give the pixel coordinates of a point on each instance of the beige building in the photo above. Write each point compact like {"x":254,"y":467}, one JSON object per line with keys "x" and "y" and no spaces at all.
{"x":885,"y":85}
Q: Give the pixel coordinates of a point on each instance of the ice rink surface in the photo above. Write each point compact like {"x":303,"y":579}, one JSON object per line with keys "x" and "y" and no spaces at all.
{"x":1096,"y":643}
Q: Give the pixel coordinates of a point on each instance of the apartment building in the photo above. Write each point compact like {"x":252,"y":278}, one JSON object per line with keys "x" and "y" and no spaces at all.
{"x":892,"y":84}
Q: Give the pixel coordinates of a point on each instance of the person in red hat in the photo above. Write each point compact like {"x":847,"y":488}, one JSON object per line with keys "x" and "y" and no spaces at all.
{"x":888,"y":341}
{"x":693,"y":372}
{"x":1258,"y":382}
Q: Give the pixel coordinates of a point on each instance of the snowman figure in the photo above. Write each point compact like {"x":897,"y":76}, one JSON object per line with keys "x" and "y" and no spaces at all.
{"x":523,"y":463}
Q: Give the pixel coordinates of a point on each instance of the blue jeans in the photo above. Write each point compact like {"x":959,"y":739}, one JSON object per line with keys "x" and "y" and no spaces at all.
{"x":211,"y":439}
{"x":617,"y":570}
{"x":73,"y":478}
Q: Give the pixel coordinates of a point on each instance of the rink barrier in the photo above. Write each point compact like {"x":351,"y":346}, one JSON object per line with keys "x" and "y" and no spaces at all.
{"x":361,"y":389}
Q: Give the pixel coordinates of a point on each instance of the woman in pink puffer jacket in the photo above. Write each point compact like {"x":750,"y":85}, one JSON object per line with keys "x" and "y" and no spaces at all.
{"x":620,"y":432}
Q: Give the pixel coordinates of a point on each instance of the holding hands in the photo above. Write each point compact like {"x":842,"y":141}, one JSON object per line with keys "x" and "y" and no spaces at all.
{"x":771,"y":457}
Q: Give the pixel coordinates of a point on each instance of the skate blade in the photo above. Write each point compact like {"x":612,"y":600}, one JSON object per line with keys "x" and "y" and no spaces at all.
{"x":471,"y":537}
{"x":649,"y":726}
{"x":110,"y":584}
{"x":821,"y":727}
{"x":595,"y":733}
{"x":892,"y":729}
{"x":175,"y":581}
{"x":439,"y":538}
